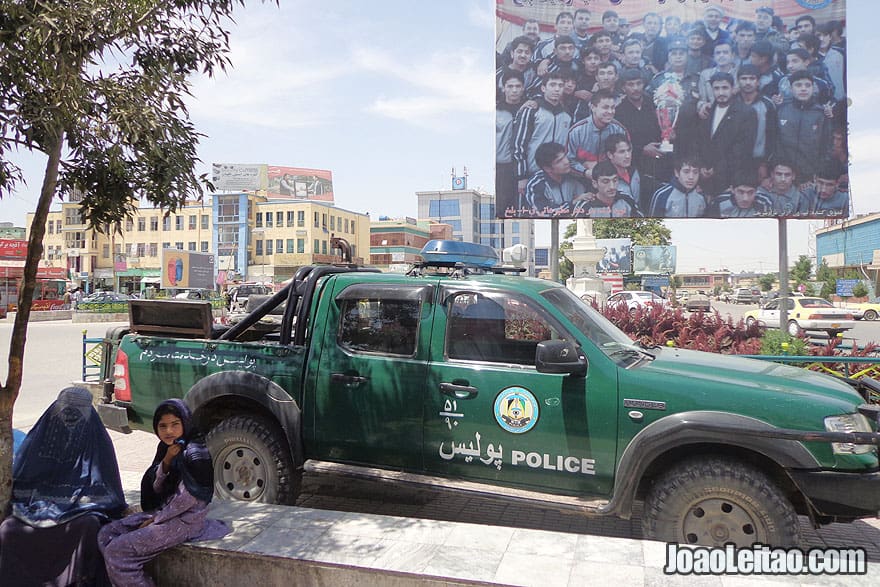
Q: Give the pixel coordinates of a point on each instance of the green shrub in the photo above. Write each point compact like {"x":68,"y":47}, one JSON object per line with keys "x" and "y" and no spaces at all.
{"x":776,"y":342}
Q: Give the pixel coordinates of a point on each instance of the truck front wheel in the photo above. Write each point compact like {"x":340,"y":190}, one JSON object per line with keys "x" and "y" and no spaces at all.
{"x":252,"y":462}
{"x":714,"y":502}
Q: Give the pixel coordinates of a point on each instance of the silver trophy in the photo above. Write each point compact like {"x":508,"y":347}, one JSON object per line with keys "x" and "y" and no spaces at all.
{"x":668,"y":99}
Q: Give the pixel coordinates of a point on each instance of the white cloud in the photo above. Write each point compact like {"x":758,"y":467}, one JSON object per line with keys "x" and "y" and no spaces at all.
{"x":443,"y":84}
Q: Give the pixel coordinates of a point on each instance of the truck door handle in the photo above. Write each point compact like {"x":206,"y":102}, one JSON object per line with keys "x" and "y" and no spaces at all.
{"x":348,"y":380}
{"x":458,"y":391}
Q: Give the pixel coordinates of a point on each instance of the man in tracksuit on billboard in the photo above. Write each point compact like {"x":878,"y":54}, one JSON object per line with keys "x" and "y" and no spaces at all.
{"x":586,"y":138}
{"x":513,"y":88}
{"x":804,"y":130}
{"x":552,"y":188}
{"x":548,"y":123}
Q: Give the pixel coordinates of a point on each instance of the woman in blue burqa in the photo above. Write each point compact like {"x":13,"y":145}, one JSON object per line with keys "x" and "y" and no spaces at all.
{"x":66,"y":485}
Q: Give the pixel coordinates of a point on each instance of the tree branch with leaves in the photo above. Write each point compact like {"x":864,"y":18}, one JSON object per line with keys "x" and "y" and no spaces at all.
{"x":99,"y":88}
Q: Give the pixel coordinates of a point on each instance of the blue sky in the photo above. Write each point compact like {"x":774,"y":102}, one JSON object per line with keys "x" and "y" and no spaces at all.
{"x":390,"y":95}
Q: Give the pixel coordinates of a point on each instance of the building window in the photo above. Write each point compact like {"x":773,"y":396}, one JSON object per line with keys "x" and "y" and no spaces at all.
{"x":154,"y":223}
{"x":105,"y":251}
{"x":352,"y":225}
{"x":178,"y":245}
{"x":514,"y":240}
{"x":268,"y":246}
{"x":204,"y":246}
{"x":166,"y":245}
{"x":51,"y":227}
{"x":205,"y":218}
{"x":300,"y":245}
{"x":259,"y":248}
{"x":443,"y":208}
{"x":279,"y":245}
{"x":166,"y":223}
{"x":129,"y":225}
{"x":301,"y":218}
{"x":289,"y":218}
{"x":514,"y":227}
{"x":191,"y":246}
{"x":193,"y":222}
{"x":317,"y":246}
{"x":178,"y":222}
{"x":324,"y":221}
{"x":154,"y":249}
{"x":317,"y":220}
{"x":290,"y":245}
{"x":279,"y":219}
{"x":258,"y":221}
{"x":346,"y":225}
{"x":332,"y":222}
{"x":142,"y":224}
{"x":268,"y":220}
{"x":324,"y":247}
{"x":141,"y":250}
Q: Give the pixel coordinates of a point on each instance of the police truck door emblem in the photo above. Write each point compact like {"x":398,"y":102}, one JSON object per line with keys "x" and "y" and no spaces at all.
{"x":516,"y":410}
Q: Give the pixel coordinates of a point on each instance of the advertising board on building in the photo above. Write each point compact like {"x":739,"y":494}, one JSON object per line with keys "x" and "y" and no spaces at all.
{"x":239,"y":177}
{"x":187,"y":269}
{"x":300,"y":183}
{"x":671,"y":109}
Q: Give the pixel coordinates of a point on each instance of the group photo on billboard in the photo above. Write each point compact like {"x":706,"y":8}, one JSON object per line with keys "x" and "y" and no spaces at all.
{"x":656,"y":109}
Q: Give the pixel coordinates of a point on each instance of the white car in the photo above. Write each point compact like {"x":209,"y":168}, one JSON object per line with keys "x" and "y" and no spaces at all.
{"x":804,"y":315}
{"x":637,"y":299}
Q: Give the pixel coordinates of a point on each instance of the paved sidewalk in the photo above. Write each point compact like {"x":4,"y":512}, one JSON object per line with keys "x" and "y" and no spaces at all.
{"x":402,"y":536}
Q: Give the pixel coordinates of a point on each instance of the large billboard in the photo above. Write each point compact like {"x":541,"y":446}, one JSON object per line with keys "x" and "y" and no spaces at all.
{"x":187,"y":269}
{"x":301,"y":184}
{"x":653,"y":259}
{"x":298,"y":183}
{"x":671,"y":109}
{"x":617,"y":255}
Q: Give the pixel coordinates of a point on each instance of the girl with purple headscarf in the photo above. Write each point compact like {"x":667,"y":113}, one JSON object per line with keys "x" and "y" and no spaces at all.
{"x":175,"y":492}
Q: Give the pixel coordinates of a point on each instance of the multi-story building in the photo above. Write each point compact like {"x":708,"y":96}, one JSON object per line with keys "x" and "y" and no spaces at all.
{"x":11,"y":232}
{"x":395,"y":244}
{"x":705,"y":281}
{"x":280,"y":236}
{"x":852,"y":244}
{"x":471,"y":213}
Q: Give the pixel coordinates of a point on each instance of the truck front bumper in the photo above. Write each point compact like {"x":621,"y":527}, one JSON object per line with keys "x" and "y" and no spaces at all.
{"x":841,"y":495}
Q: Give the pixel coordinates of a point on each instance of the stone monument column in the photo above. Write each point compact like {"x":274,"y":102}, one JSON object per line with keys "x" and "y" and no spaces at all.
{"x":585,"y":255}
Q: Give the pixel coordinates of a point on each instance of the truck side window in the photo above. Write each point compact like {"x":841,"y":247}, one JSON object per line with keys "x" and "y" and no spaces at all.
{"x":498,"y":330}
{"x":376,"y":325}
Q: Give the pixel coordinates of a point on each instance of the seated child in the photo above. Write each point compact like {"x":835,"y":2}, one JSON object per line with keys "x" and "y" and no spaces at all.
{"x":175,"y":492}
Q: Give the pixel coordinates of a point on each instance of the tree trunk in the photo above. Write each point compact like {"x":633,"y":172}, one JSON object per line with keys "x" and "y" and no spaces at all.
{"x":9,"y":391}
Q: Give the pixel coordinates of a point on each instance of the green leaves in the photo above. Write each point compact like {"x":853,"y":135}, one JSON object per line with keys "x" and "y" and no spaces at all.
{"x":112,"y":78}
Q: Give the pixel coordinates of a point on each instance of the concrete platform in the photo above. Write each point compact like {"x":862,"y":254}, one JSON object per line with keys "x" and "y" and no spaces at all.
{"x":277,"y":545}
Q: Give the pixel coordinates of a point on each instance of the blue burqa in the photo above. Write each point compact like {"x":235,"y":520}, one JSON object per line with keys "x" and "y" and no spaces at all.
{"x":66,"y":465}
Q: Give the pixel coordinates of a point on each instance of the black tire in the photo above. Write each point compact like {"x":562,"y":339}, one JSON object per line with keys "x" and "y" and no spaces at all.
{"x":870,"y":315}
{"x":716,"y":501}
{"x":252,"y":461}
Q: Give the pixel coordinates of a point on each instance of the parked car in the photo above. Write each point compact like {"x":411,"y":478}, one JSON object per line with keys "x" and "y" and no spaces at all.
{"x":866,"y":310}
{"x":745,"y":295}
{"x":698,"y":302}
{"x":804,"y":315}
{"x":105,"y":297}
{"x":637,"y":299}
{"x":239,"y":294}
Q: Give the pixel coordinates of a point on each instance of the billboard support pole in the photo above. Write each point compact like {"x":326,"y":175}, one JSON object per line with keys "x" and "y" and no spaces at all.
{"x":554,"y":249}
{"x":783,"y":274}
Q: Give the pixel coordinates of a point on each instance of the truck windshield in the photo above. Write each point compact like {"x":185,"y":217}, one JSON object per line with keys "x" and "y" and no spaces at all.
{"x":610,"y":339}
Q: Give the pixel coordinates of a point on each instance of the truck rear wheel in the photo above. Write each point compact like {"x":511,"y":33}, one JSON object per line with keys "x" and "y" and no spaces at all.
{"x":252,"y":461}
{"x":714,"y":502}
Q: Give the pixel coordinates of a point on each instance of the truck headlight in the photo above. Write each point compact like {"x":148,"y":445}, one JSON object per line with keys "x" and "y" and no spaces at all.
{"x":848,"y":423}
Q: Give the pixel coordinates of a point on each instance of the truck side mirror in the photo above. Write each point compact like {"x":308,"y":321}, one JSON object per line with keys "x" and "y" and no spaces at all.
{"x":560,"y":356}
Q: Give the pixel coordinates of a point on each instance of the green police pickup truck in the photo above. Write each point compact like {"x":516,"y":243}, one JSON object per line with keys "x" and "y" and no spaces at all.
{"x":467,"y":378}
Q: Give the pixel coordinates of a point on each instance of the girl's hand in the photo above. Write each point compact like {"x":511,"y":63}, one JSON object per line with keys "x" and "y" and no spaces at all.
{"x":172,"y":452}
